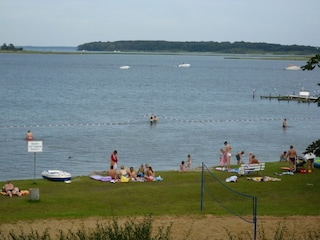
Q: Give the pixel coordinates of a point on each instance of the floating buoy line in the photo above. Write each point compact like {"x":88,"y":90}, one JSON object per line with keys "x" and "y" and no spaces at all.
{"x":66,"y":125}
{"x":236,"y":120}
{"x":146,"y":117}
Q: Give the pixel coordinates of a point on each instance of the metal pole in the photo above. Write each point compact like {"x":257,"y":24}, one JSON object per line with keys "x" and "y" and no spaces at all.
{"x":202,"y":189}
{"x":34,"y":169}
{"x":255,"y":203}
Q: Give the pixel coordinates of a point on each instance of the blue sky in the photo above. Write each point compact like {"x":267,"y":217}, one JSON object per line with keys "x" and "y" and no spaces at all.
{"x":74,"y":22}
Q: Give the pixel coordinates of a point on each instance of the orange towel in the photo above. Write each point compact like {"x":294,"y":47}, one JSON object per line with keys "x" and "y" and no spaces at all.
{"x":23,"y":192}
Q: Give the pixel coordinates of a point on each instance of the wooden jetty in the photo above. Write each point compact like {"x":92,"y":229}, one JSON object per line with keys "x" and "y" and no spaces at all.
{"x":306,"y":99}
{"x":303,"y":96}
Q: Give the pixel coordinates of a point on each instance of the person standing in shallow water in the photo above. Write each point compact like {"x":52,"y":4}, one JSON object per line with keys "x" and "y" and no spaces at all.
{"x":284,"y":123}
{"x":29,"y":135}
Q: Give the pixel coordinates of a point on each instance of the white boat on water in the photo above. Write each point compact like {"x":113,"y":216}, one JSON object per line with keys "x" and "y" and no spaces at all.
{"x":184,"y":65}
{"x":125,"y":67}
{"x":304,"y":93}
{"x":293,"y":67}
{"x":56,"y":175}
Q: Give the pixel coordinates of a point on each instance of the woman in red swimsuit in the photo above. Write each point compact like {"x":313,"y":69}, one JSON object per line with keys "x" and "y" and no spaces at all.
{"x":114,"y":159}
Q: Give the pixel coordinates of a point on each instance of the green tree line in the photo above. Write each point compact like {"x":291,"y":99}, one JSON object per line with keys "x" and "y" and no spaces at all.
{"x":10,"y":47}
{"x":216,"y":47}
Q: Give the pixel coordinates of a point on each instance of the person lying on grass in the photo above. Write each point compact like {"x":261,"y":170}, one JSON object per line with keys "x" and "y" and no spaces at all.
{"x":11,"y":190}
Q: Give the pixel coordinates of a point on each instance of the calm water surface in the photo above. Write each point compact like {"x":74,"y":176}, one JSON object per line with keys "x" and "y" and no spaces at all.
{"x":83,"y":107}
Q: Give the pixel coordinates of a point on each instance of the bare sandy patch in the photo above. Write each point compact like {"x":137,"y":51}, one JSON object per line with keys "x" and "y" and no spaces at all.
{"x":194,"y":227}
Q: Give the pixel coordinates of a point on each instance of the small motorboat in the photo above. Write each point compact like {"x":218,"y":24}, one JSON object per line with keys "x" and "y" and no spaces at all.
{"x":56,"y":175}
{"x":125,"y":67}
{"x":185,"y":65}
{"x":293,"y":67}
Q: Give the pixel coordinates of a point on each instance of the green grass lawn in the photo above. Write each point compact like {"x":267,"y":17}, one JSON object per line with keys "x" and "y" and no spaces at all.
{"x":178,"y":194}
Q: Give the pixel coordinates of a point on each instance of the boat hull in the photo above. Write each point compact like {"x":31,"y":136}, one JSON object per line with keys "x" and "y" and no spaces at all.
{"x":124,"y":67}
{"x":184,"y":65}
{"x":56,"y":175}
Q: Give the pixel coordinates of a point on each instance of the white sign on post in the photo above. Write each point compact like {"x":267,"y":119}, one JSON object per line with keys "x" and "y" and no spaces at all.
{"x":34,"y":146}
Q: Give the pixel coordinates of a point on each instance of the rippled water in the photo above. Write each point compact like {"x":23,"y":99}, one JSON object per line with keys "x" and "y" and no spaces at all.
{"x":84,"y":106}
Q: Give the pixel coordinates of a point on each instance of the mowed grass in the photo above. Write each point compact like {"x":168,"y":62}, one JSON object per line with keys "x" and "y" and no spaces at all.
{"x":178,"y":194}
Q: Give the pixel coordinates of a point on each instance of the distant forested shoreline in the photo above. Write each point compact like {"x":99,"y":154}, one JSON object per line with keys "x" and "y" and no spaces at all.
{"x":201,"y":47}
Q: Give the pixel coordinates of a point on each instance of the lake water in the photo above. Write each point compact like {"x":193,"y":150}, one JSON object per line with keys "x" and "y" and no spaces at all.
{"x":84,"y":106}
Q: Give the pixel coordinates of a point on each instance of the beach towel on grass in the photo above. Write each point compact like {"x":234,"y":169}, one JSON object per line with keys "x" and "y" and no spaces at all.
{"x":264,"y":179}
{"x":101,"y":178}
{"x":159,"y":178}
{"x":23,"y":192}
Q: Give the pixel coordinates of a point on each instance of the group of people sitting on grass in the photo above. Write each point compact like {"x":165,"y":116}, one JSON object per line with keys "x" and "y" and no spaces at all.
{"x":10,"y":190}
{"x":144,"y":173}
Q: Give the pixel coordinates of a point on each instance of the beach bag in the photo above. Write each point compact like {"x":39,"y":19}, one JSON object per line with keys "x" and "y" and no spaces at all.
{"x":303,"y":171}
{"x":124,"y":179}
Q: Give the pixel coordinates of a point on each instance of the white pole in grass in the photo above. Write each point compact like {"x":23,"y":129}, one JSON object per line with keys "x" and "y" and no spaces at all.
{"x":34,"y":146}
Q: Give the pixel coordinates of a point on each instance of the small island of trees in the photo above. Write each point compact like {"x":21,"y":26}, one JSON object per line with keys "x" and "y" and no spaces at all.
{"x":9,"y":47}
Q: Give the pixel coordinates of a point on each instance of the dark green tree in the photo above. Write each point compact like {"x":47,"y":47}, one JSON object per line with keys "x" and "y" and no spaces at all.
{"x":312,"y":63}
{"x":314,"y":147}
{"x":4,"y":47}
{"x":10,"y":47}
